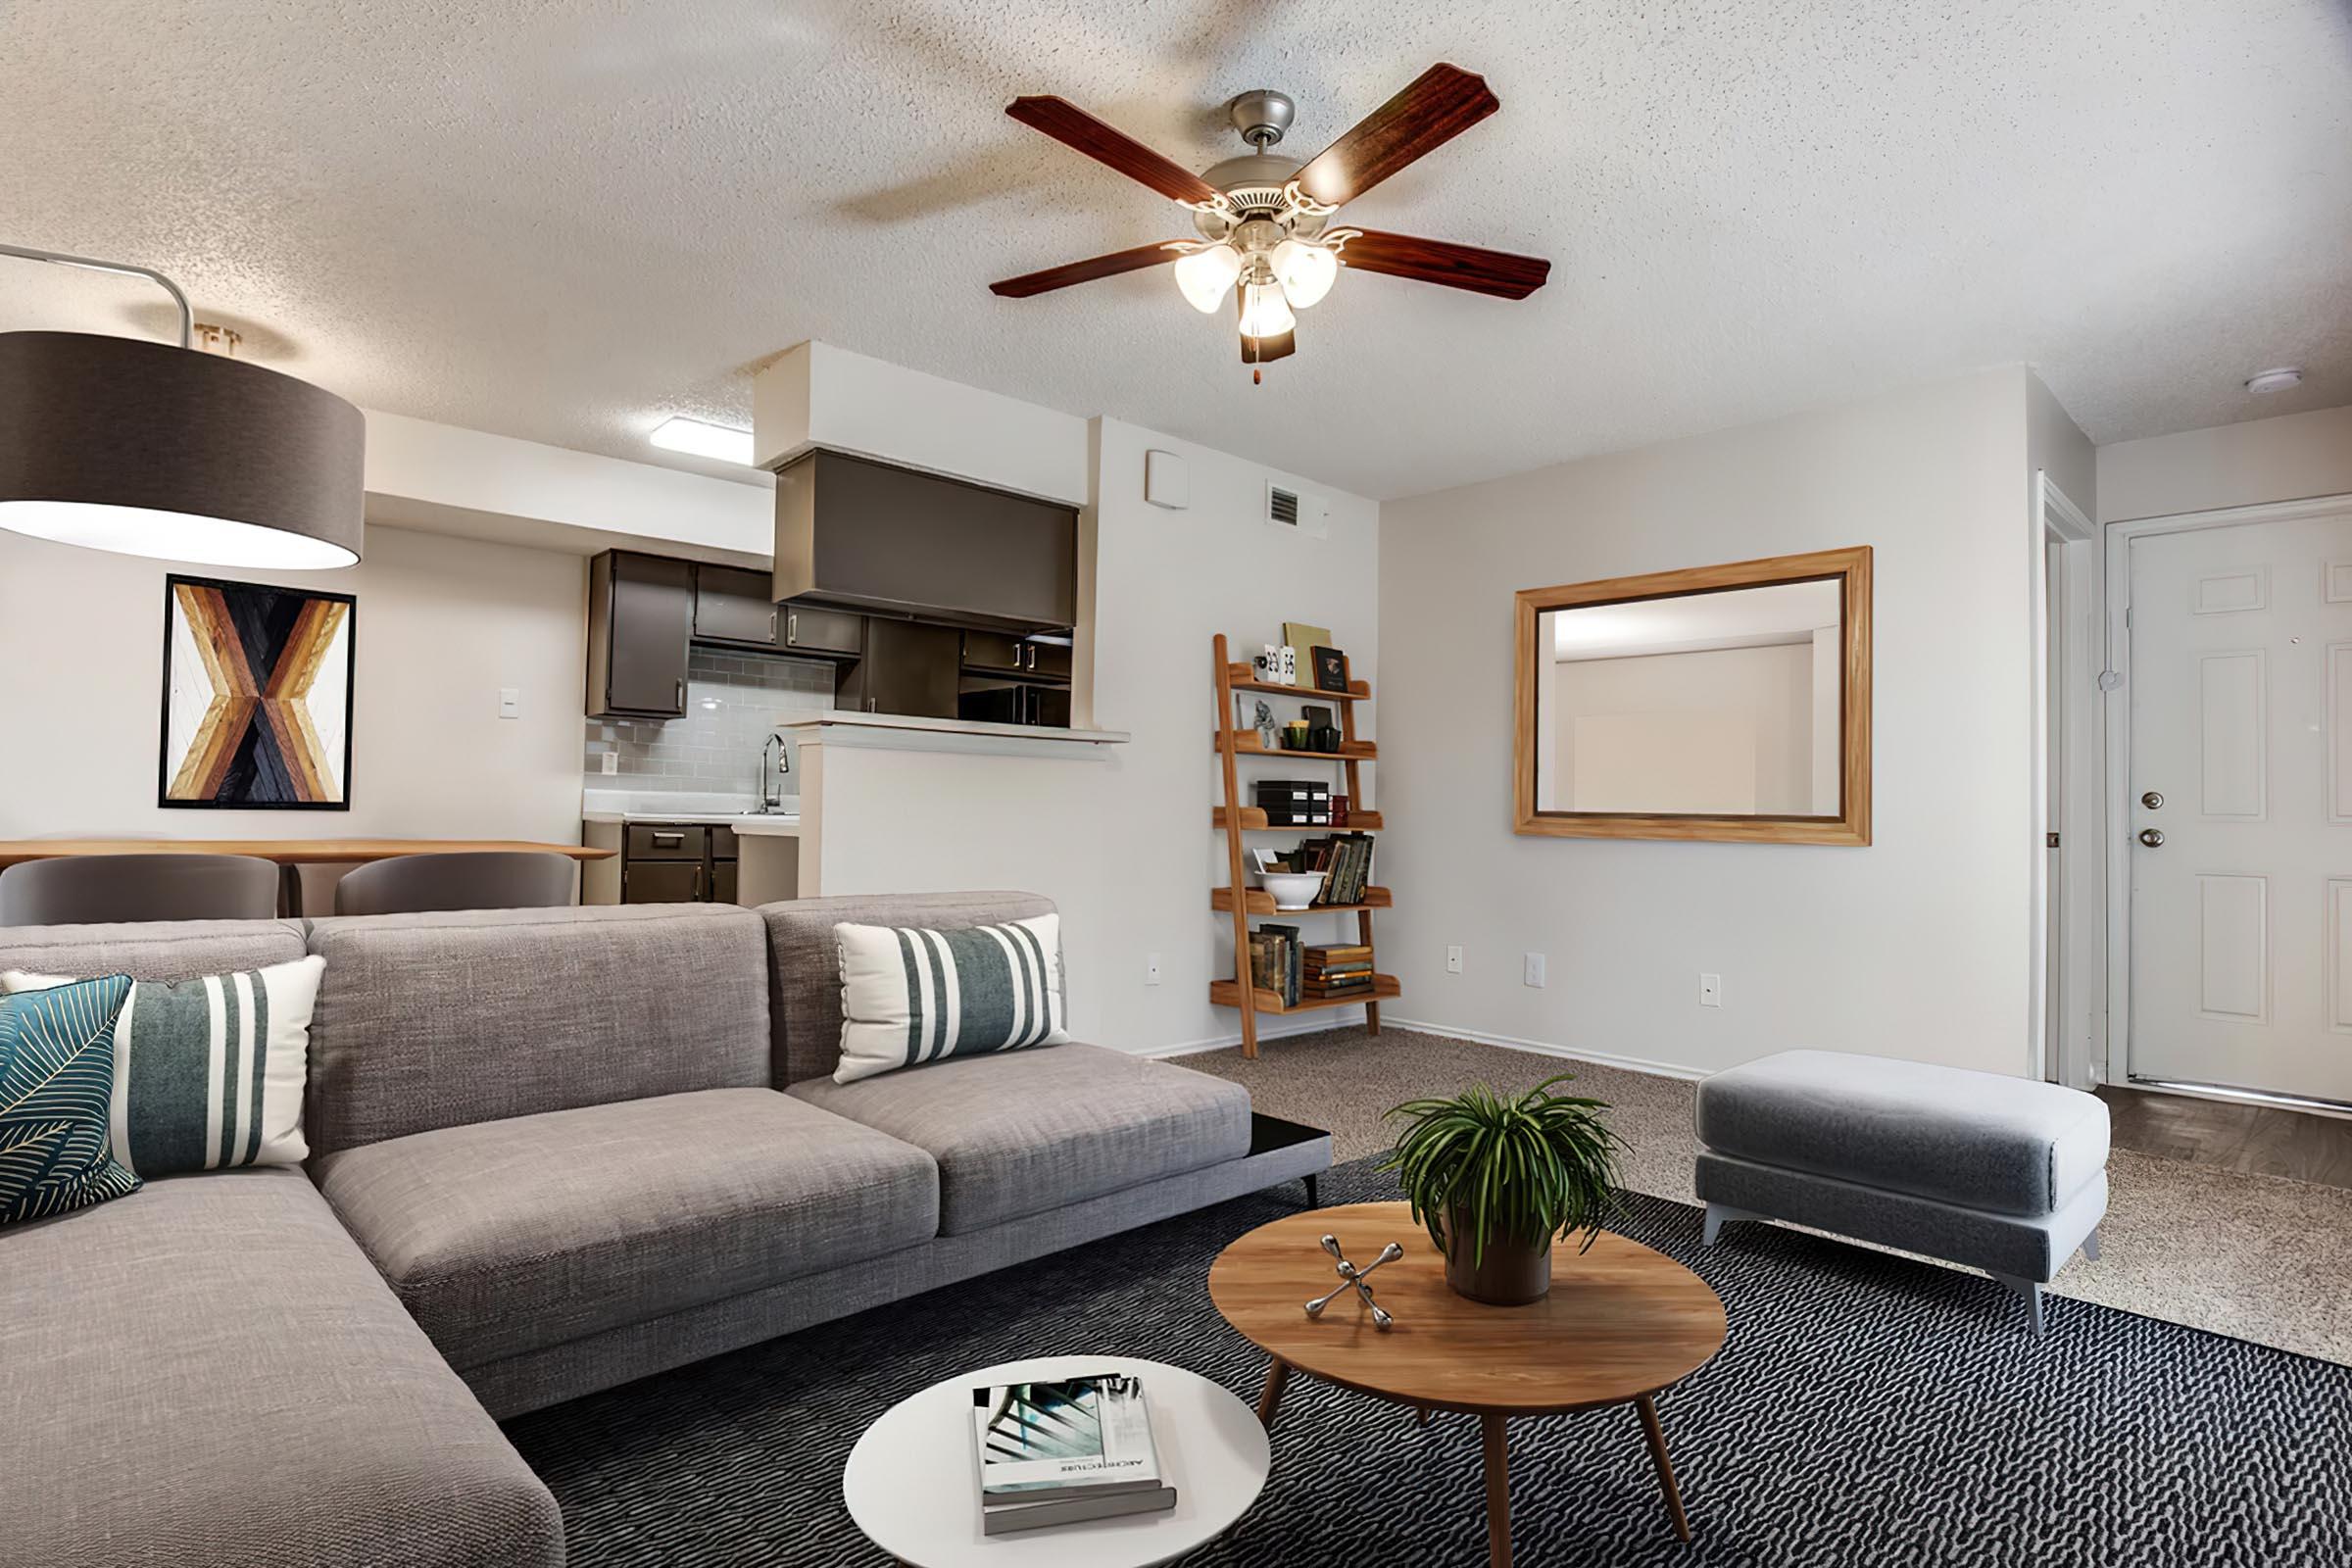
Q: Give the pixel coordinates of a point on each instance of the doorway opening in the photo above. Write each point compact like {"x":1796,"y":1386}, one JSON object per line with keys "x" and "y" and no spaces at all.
{"x":2229,"y":796}
{"x":2068,"y":658}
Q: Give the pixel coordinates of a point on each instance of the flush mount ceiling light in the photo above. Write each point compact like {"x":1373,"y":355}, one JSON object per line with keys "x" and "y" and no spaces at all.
{"x":2278,"y":380}
{"x":146,"y":449}
{"x":1265,"y":220}
{"x":677,"y":433}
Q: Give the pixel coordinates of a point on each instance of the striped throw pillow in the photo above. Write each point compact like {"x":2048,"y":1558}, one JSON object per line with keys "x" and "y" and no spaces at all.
{"x":209,"y":1073}
{"x":57,"y":1066}
{"x":911,"y":995}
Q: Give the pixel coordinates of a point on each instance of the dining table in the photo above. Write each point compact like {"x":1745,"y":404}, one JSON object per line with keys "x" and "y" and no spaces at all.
{"x":289,"y":854}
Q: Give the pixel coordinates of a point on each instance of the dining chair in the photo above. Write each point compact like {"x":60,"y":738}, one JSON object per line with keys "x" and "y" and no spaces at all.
{"x":104,"y":889}
{"x":485,"y":879}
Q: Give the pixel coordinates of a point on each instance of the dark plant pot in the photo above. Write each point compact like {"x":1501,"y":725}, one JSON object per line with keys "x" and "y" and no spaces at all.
{"x":1511,"y":1273}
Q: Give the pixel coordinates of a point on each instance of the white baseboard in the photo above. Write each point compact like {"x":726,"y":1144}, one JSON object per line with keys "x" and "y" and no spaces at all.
{"x":1191,"y":1048}
{"x":1542,"y":1048}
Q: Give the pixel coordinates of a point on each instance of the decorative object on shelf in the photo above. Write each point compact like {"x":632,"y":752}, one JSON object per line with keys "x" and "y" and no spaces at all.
{"x":168,"y":451}
{"x":1291,"y":890}
{"x":1330,"y":670}
{"x":1322,"y":735}
{"x":1268,"y":666}
{"x":1264,"y":220}
{"x":1339,"y":811}
{"x":1302,"y":640}
{"x":1494,"y":1179}
{"x":1262,"y":721}
{"x":1293,"y":735}
{"x":1356,"y":1279}
{"x":1287,"y":667}
{"x":256,"y":695}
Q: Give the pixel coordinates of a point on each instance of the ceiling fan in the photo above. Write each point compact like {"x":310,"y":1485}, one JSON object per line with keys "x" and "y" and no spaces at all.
{"x":1264,"y":220}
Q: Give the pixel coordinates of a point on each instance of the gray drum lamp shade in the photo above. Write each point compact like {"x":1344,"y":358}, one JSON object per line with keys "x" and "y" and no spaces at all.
{"x":149,"y":449}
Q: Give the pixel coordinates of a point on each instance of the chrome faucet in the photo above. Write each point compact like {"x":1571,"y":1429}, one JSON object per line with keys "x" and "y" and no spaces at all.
{"x":774,"y":765}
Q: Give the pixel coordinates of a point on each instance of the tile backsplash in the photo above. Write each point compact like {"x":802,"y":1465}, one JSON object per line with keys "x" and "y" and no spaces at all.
{"x":732,"y":702}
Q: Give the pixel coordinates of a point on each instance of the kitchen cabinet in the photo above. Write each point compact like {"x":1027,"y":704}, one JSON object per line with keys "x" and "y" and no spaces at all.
{"x":856,"y":534}
{"x":827,"y":633}
{"x":640,"y":620}
{"x":907,"y":667}
{"x":732,"y":606}
{"x":992,"y":653}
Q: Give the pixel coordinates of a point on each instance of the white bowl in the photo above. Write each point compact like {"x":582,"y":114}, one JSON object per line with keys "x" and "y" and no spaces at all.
{"x":1291,"y":890}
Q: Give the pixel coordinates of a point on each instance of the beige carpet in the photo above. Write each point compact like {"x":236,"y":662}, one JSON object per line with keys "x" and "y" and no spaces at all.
{"x":2258,"y":1257}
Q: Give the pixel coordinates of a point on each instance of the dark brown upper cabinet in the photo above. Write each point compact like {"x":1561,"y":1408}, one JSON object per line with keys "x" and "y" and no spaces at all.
{"x":908,"y":668}
{"x":731,"y":606}
{"x":853,"y":534}
{"x":824,"y":633}
{"x":640,"y":620}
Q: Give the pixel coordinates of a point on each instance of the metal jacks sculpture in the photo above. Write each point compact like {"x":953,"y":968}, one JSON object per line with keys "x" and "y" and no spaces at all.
{"x":1354,"y":1278}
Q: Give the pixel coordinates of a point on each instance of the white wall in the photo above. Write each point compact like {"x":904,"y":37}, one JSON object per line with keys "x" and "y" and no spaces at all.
{"x":1122,"y":842}
{"x":2289,"y":457}
{"x":441,"y":624}
{"x":1916,"y":946}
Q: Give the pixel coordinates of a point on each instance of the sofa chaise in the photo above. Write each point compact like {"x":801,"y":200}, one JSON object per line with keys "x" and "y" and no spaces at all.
{"x":550,"y":1150}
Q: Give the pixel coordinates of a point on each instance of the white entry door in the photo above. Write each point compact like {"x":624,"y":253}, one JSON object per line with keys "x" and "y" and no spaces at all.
{"x":2240,"y":801}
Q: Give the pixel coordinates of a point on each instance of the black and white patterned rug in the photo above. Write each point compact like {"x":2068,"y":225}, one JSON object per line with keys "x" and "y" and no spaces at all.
{"x":1867,"y":1410}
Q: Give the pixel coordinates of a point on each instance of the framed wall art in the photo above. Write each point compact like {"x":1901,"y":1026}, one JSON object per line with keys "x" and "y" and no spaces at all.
{"x":256,"y":697}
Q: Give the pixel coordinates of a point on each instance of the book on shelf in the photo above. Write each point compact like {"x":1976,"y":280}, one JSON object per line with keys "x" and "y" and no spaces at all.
{"x":1051,"y":1454}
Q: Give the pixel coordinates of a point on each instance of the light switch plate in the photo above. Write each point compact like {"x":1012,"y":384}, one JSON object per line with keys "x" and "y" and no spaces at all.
{"x":1151,"y":969}
{"x":1535,"y":969}
{"x":1453,"y":961}
{"x":1710,"y":991}
{"x":611,"y":761}
{"x":509,"y":701}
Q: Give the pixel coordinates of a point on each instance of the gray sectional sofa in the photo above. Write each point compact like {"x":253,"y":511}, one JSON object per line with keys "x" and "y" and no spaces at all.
{"x":549,"y":1154}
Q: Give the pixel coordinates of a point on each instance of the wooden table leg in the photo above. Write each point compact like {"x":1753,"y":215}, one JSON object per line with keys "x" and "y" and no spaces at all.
{"x":1421,"y":1411}
{"x":1657,"y":1434}
{"x":1498,"y":1492}
{"x":1278,"y":1378}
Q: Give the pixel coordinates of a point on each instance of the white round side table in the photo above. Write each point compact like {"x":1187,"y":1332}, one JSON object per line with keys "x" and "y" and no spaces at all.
{"x":911,"y":1487}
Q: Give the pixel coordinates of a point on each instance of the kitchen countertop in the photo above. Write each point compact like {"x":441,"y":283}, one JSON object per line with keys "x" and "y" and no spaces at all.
{"x":715,"y":810}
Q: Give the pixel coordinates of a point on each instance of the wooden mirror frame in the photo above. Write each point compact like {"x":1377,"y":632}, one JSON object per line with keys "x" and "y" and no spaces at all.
{"x":1851,"y":568}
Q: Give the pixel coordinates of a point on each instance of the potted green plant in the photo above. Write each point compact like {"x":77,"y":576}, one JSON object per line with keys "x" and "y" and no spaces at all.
{"x":1494,"y":1179}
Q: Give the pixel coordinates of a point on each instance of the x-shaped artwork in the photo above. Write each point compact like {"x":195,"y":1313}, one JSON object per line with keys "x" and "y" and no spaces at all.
{"x":1355,"y":1279}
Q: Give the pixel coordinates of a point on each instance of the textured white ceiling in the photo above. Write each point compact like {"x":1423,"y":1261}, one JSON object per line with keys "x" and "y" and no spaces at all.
{"x":565,"y":220}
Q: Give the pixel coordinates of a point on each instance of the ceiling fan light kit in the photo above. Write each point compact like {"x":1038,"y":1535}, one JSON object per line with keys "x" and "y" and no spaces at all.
{"x":1264,"y":220}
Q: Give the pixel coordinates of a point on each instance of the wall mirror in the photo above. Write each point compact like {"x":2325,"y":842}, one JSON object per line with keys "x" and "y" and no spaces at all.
{"x":1725,"y":703}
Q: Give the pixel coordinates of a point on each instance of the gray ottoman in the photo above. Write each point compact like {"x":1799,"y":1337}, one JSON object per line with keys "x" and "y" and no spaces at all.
{"x":2002,"y":1174}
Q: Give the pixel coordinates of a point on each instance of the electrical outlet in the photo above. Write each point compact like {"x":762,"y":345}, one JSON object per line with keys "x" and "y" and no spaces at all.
{"x":1453,"y":961}
{"x":612,"y":761}
{"x":1151,"y":969}
{"x":509,"y":701}
{"x":1535,"y":969}
{"x":1710,"y":991}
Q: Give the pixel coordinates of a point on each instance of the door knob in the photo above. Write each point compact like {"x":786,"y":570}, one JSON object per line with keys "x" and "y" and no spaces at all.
{"x":2152,"y":837}
{"x":2153,"y":800}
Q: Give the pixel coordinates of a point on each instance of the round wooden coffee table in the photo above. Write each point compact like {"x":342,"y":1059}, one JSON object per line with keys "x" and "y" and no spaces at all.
{"x":1621,"y":1324}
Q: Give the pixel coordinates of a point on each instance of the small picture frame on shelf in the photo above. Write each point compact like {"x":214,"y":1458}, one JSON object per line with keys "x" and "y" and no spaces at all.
{"x":1330,"y":670}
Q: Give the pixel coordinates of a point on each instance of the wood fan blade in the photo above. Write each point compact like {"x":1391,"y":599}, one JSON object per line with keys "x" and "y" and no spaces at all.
{"x":1086,"y":272}
{"x":1074,"y":127}
{"x":1441,"y":103}
{"x":1438,"y":260}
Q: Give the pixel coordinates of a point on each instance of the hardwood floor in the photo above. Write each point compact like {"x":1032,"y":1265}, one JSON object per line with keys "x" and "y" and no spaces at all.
{"x":2265,"y":1140}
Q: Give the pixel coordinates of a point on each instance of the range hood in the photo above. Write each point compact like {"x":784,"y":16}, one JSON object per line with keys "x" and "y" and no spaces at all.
{"x":854,"y":534}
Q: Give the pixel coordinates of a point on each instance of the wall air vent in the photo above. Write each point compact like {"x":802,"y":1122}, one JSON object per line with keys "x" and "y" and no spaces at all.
{"x":1282,"y":507}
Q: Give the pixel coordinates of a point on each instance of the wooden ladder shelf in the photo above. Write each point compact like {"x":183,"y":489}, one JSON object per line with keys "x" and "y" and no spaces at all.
{"x":1237,"y":818}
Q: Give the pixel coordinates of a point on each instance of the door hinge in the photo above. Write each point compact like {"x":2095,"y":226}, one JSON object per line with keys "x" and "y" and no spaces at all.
{"x":2053,"y":840}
